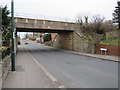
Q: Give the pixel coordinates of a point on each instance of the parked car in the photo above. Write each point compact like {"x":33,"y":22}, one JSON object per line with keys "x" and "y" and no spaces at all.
{"x":27,"y":41}
{"x":37,"y":40}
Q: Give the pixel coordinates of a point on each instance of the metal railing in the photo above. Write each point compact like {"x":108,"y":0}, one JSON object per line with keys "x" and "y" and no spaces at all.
{"x":44,"y":17}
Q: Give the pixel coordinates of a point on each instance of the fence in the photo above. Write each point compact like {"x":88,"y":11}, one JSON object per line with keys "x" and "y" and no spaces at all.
{"x":44,"y":17}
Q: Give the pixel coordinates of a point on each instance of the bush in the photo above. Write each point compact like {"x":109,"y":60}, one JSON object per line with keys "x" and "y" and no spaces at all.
{"x":5,"y":51}
{"x":47,"y":37}
{"x":111,"y":41}
{"x":3,"y":48}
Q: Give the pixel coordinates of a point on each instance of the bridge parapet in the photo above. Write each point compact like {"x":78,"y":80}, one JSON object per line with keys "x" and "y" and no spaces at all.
{"x":43,"y":24}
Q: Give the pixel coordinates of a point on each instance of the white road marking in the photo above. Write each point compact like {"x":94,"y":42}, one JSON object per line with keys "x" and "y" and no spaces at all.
{"x":44,"y":70}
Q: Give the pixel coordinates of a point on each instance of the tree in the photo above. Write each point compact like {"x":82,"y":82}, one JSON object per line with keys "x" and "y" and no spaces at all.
{"x":93,"y":26}
{"x":5,"y":26}
{"x":96,"y":27}
{"x":5,"y":18}
{"x":116,"y":14}
{"x":47,"y":37}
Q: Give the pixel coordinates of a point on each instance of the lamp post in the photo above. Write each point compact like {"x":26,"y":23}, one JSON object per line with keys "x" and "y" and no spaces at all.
{"x":12,"y":30}
{"x":118,"y":14}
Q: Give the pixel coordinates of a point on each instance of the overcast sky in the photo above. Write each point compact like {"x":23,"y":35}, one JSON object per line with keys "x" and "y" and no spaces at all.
{"x":63,"y":8}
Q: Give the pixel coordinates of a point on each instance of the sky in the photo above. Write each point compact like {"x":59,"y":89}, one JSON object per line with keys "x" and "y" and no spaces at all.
{"x":62,"y":9}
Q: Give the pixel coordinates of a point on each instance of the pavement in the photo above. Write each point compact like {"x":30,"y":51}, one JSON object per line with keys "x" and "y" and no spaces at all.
{"x":30,"y":74}
{"x":103,"y":57}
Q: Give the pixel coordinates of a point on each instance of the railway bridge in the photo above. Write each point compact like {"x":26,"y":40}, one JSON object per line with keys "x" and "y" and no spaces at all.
{"x":69,"y":36}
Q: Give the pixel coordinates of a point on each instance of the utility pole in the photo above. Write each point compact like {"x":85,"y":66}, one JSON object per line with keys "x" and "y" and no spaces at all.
{"x":118,"y":14}
{"x":12,"y":30}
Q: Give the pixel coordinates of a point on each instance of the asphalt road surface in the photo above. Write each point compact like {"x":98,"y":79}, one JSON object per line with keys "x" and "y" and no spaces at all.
{"x":75,"y":71}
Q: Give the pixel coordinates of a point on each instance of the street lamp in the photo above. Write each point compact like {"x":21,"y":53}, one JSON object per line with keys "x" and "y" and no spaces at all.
{"x":118,"y":14}
{"x":12,"y":30}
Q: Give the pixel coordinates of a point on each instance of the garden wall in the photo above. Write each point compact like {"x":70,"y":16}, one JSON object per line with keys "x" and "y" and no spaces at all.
{"x":4,"y":69}
{"x":111,"y":50}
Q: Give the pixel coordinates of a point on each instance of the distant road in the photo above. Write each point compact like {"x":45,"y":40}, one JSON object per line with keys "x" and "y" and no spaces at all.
{"x":75,"y":71}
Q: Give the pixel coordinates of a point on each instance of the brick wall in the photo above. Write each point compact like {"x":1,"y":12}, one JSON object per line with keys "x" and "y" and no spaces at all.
{"x":111,"y":50}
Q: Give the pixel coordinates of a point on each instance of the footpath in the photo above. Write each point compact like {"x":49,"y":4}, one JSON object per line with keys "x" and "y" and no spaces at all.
{"x":103,"y":57}
{"x":28,"y":74}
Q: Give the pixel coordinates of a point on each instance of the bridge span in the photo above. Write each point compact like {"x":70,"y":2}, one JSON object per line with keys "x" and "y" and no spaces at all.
{"x":69,"y":36}
{"x":37,"y":25}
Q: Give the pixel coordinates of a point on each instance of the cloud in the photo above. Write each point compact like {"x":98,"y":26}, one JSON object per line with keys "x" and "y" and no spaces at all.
{"x":64,"y":8}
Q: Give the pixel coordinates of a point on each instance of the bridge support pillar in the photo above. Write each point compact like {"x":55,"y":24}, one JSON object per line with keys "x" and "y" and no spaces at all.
{"x":64,"y":41}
